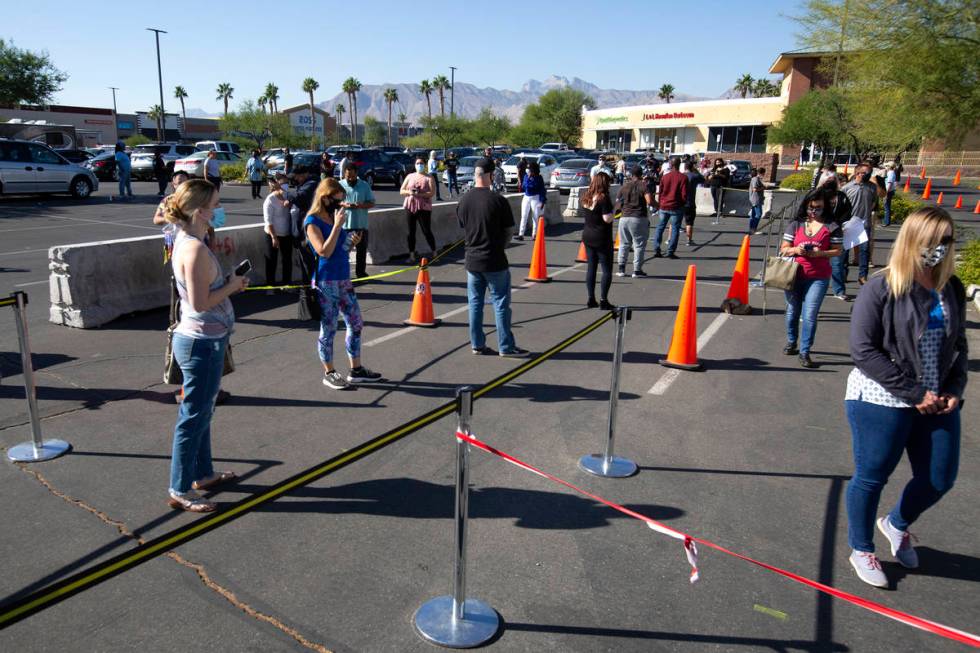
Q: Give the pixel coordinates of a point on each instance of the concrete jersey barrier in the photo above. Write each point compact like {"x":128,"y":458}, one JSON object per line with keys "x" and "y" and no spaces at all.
{"x":92,"y":284}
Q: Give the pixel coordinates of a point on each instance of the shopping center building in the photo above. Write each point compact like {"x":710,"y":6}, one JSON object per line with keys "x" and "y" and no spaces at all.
{"x":724,"y":126}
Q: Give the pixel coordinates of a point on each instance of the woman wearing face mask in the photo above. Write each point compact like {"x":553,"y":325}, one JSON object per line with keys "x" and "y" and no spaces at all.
{"x":718,"y":179}
{"x":813,"y":239}
{"x":418,"y":191}
{"x":535,"y":196}
{"x":324,"y":228}
{"x":908,"y":343}
{"x":199,"y":342}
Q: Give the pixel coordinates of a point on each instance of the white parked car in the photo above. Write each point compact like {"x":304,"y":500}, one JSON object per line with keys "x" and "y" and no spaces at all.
{"x":220,"y":146}
{"x":553,"y":147}
{"x":194,"y":164}
{"x":142,"y":158}
{"x":545,"y":160}
{"x":464,"y":171}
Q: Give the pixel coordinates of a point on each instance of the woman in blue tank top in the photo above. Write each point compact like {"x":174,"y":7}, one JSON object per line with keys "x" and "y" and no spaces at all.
{"x":199,"y":343}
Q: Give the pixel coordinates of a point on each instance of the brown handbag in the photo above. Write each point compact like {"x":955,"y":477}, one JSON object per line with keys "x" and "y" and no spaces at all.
{"x":780,"y":272}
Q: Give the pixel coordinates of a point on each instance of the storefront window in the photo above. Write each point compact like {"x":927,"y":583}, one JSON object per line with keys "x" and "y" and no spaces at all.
{"x":746,"y":138}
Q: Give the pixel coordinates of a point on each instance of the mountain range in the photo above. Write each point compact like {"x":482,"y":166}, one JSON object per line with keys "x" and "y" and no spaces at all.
{"x":471,"y":99}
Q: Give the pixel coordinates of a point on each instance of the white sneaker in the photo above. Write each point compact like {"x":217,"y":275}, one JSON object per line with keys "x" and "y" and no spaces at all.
{"x":900,"y":542}
{"x":868,"y":568}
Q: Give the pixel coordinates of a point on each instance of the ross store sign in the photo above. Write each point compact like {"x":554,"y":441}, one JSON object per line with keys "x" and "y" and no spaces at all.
{"x":667,"y":116}
{"x":608,"y":119}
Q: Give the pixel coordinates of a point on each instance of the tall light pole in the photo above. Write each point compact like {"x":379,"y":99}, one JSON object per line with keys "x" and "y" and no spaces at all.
{"x":115,"y":114}
{"x":163,"y":119}
{"x":452,"y":90}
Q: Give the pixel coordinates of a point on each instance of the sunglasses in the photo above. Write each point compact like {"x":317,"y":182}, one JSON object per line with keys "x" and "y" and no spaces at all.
{"x":947,"y":240}
{"x":813,"y":210}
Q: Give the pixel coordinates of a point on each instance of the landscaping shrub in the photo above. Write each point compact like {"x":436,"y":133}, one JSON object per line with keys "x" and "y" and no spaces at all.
{"x":902,"y":206}
{"x":233,"y":172}
{"x":798,"y":181}
{"x":968,"y":263}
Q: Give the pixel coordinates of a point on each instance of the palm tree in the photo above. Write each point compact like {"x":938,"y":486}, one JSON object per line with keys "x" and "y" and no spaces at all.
{"x":425,"y":88}
{"x":156,"y":114}
{"x":391,"y":96}
{"x":180,"y":93}
{"x":764,"y":88}
{"x":339,"y":110}
{"x":262,"y":102}
{"x":310,"y":85}
{"x":666,"y":93}
{"x":224,"y":92}
{"x":441,"y":84}
{"x":744,"y":84}
{"x":272,"y":95}
{"x":351,"y":86}
{"x":403,"y":120}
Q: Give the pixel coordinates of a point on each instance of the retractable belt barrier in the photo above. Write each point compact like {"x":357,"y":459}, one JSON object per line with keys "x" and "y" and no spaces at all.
{"x":373,"y":276}
{"x":38,"y":449}
{"x":21,"y":608}
{"x":691,"y":551}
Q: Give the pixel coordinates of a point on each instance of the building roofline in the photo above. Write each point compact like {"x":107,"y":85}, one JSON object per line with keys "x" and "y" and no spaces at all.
{"x":782,"y":62}
{"x":676,"y":106}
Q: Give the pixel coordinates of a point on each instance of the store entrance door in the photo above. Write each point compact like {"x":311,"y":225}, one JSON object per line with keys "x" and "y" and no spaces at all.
{"x":665,"y":144}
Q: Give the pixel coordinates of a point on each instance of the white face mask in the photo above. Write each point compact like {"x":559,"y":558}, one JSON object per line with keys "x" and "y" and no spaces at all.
{"x":933,"y":257}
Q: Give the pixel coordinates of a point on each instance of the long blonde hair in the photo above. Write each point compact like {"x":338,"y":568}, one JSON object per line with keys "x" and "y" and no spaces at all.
{"x":923,"y":229}
{"x":190,"y":196}
{"x":324,"y":191}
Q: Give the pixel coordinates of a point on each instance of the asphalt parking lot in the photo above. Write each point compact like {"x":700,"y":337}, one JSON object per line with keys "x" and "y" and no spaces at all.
{"x":753,"y":453}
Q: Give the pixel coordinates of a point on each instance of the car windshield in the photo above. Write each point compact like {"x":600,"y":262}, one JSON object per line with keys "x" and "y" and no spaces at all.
{"x":513,"y":161}
{"x":742,"y":166}
{"x":577,"y":163}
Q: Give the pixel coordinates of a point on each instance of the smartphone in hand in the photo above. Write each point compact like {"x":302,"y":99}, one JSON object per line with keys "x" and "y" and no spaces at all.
{"x":243,"y":268}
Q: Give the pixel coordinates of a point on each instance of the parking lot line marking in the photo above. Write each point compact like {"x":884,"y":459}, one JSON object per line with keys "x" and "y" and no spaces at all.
{"x":455,"y":311}
{"x":114,"y":224}
{"x":32,"y":283}
{"x":25,"y":251}
{"x":668,"y":378}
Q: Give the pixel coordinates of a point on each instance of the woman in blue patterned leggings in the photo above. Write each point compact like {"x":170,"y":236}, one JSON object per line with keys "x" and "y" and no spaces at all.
{"x":332,"y":244}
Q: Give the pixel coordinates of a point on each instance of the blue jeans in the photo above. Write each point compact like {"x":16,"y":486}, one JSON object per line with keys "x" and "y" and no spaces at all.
{"x":887,"y":218}
{"x":125,"y":184}
{"x":201,"y":361}
{"x":803,"y":302}
{"x":675,"y":229}
{"x":840,"y":265}
{"x":476,"y":288}
{"x":880,"y":434}
{"x":755,"y":215}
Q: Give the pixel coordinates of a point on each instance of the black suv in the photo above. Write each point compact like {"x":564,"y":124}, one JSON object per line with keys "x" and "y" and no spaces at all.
{"x":373,"y":166}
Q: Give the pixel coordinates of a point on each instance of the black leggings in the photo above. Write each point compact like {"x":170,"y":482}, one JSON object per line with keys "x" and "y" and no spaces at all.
{"x":423,"y":219}
{"x":598,"y":256}
{"x":273,"y":256}
{"x":256,"y":190}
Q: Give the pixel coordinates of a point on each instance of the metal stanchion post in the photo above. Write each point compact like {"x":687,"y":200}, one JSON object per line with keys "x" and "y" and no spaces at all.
{"x":456,"y":621}
{"x":607,"y":464}
{"x":37,"y":449}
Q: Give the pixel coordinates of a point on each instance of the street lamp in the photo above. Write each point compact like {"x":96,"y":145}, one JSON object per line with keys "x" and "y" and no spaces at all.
{"x":115,"y":114}
{"x":452,"y":90}
{"x":163,"y":120}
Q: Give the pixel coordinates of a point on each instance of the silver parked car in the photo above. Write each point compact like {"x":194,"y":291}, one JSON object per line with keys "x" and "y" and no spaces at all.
{"x":142,"y":158}
{"x":464,"y":171}
{"x":29,"y":167}
{"x":572,"y":173}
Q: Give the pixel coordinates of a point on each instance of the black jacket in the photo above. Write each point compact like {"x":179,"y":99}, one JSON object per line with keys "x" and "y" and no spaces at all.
{"x":885,"y":334}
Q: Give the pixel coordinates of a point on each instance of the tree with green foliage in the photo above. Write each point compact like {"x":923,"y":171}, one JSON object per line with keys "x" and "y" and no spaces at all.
{"x":374,"y":131}
{"x":448,"y":131}
{"x":225,"y":93}
{"x":271,"y":94}
{"x":137,"y":139}
{"x":181,"y":94}
{"x":822,"y":117}
{"x":156,"y":115}
{"x":666,"y":93}
{"x":488,"y":128}
{"x":351,"y":87}
{"x":391,"y":96}
{"x":917,"y":61}
{"x":441,"y":84}
{"x":339,"y":110}
{"x":27,"y":77}
{"x":744,"y":85}
{"x":260,"y":128}
{"x":309,"y":86}
{"x":557,"y":113}
{"x":765,"y":88}
{"x":425,"y":88}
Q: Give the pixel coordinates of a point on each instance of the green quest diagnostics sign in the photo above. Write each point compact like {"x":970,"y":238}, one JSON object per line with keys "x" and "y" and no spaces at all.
{"x":608,"y":119}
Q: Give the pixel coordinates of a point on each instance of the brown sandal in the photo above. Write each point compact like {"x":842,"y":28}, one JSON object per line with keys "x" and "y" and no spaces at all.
{"x":190,"y":502}
{"x":206,"y":484}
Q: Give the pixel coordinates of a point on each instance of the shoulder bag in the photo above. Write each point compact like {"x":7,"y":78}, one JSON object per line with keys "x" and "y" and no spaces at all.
{"x":781,"y":272}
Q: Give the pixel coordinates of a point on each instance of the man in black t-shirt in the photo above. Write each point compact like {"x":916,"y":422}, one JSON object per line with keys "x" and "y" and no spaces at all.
{"x":287,"y":161}
{"x":488,"y":224}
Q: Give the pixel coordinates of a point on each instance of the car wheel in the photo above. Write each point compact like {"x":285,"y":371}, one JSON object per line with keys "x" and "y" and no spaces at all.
{"x":370,"y":181}
{"x":81,"y":188}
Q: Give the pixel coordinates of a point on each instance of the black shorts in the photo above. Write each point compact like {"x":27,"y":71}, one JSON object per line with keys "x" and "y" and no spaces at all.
{"x":690,"y":213}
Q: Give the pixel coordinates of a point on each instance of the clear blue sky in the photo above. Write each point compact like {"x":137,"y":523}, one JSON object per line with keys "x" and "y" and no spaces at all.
{"x":619,"y":44}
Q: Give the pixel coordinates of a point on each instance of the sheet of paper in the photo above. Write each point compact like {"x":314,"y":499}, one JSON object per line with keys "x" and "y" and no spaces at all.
{"x":854,"y":233}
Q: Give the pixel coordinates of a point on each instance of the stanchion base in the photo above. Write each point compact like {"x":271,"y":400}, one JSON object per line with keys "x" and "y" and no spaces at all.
{"x":434,"y":622}
{"x":594,"y":463}
{"x":26,"y":453}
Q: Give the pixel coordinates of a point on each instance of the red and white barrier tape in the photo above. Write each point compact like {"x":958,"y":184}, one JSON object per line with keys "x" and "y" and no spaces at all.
{"x":690,"y":549}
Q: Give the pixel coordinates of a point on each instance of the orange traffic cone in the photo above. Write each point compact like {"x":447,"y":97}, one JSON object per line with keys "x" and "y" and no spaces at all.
{"x":928,"y":190}
{"x":581,"y":257}
{"x":683,"y":353}
{"x":739,"y":287}
{"x":796,"y":164}
{"x":908,"y":184}
{"x":939,"y":200}
{"x":616,"y":244}
{"x":977,"y":208}
{"x":539,"y":258}
{"x":845,"y":168}
{"x":422,"y":314}
{"x":922,"y":173}
{"x":956,"y":179}
{"x":959,"y":202}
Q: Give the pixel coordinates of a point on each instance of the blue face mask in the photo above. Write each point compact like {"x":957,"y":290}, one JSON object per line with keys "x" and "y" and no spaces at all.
{"x":218,"y":219}
{"x":419,"y":167}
